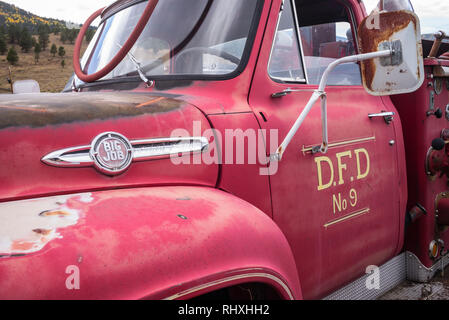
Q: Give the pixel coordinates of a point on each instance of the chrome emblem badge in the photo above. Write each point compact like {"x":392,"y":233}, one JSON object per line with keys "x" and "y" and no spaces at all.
{"x":112,"y":153}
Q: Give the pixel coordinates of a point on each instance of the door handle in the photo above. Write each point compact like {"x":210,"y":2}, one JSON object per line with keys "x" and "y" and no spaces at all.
{"x":388,"y":116}
{"x":288,"y":91}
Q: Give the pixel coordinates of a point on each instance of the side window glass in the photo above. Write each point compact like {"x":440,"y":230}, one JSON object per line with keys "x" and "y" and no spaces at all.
{"x":285,"y":62}
{"x":214,"y":64}
{"x":324,"y":43}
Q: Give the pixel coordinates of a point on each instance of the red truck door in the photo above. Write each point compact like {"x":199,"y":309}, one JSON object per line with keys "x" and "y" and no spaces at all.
{"x":340,"y":211}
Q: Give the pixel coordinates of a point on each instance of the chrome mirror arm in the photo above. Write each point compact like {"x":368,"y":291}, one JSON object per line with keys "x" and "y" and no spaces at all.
{"x":320,"y":94}
{"x":74,"y":87}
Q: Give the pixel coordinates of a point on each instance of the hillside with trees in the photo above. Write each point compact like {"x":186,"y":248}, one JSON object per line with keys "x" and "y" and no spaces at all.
{"x":12,"y":15}
{"x":32,"y":47}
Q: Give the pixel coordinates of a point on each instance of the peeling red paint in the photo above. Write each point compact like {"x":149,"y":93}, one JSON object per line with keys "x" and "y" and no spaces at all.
{"x":28,"y":226}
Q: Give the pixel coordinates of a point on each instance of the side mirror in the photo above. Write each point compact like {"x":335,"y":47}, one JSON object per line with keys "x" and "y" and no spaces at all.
{"x":402,"y":72}
{"x":26,"y":86}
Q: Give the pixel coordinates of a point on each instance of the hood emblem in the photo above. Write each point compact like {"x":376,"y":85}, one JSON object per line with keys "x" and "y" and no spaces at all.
{"x":112,"y":153}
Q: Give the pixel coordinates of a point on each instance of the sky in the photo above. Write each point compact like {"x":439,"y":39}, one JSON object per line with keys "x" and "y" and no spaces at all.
{"x":434,"y":14}
{"x":76,"y":11}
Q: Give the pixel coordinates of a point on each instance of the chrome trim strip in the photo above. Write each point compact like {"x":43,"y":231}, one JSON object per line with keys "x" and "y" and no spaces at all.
{"x":231,"y":279}
{"x":345,"y":218}
{"x":151,"y":149}
{"x":143,"y":150}
{"x":306,"y":149}
{"x":71,"y":157}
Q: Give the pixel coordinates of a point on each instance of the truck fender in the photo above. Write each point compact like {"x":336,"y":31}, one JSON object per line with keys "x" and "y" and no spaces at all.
{"x":148,"y":243}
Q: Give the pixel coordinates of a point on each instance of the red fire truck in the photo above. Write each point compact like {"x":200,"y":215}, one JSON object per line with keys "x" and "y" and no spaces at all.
{"x":257,"y":149}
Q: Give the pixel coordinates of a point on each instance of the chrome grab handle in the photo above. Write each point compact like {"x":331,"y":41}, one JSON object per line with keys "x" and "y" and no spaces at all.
{"x":388,"y":116}
{"x":288,"y":91}
{"x":382,"y":114}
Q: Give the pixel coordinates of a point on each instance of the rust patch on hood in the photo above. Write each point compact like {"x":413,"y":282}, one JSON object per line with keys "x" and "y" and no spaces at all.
{"x":39,"y":110}
{"x":28,"y":226}
{"x":145,"y":104}
{"x":54,"y":213}
{"x":42,"y":231}
{"x":370,"y":38}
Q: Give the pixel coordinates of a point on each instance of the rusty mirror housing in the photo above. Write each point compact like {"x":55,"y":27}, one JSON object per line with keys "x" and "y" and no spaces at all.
{"x":403,"y":71}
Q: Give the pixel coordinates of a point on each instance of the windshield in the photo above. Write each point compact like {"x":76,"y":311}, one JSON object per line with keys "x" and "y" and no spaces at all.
{"x":202,"y":38}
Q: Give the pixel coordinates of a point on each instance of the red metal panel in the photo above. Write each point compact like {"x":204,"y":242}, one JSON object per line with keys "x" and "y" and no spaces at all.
{"x":419,"y":131}
{"x":23,"y":175}
{"x":243,"y":180}
{"x":401,"y":164}
{"x":336,"y":230}
{"x":148,"y":243}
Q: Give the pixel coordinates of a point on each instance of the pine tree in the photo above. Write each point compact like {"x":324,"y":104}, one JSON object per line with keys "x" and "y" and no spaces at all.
{"x":54,"y":50}
{"x":13,"y":33}
{"x":63,"y":36}
{"x":61,"y":52}
{"x":26,"y":41}
{"x":72,"y":34}
{"x":63,"y":63}
{"x":12,"y":57}
{"x":37,"y":51}
{"x":3,"y":47}
{"x":90,"y":34}
{"x":44,"y":39}
{"x":43,"y":28}
{"x":56,"y":29}
{"x":3,"y":30}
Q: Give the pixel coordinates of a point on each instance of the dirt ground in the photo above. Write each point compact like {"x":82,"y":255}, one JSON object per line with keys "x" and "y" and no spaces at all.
{"x":437,"y":289}
{"x":52,"y":77}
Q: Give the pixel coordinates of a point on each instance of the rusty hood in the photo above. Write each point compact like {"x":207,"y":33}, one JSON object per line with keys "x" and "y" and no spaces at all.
{"x":34,"y":125}
{"x":45,"y":109}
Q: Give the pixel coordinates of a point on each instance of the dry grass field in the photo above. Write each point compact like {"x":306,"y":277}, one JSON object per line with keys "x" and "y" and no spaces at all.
{"x":52,"y":77}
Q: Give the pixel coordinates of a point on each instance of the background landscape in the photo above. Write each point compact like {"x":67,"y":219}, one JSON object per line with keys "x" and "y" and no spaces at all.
{"x":21,"y":30}
{"x":32,"y":38}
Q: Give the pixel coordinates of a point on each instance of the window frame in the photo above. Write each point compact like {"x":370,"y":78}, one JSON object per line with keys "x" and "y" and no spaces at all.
{"x":299,"y":43}
{"x":352,"y":23}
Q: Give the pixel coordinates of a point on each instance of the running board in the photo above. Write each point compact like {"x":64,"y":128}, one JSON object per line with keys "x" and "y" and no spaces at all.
{"x":418,"y":272}
{"x":392,"y":274}
{"x":405,"y":266}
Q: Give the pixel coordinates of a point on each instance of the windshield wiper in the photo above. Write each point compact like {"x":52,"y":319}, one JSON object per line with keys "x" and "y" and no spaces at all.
{"x":137,"y":64}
